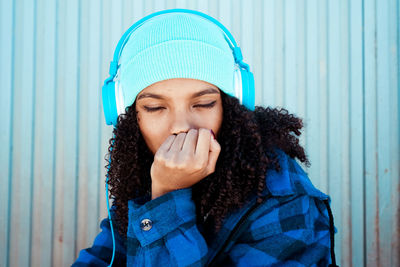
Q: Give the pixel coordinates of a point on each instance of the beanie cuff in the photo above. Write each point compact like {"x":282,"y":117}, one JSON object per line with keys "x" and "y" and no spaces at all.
{"x":177,"y":59}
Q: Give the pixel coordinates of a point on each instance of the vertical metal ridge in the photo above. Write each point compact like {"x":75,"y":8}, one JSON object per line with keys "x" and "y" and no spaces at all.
{"x":398,"y":118}
{"x":306,"y":69}
{"x":350,"y":221}
{"x":10,"y":162}
{"x":33,"y":130}
{"x":55,"y":131}
{"x":327,"y":99}
{"x":78,"y":101}
{"x":284,"y":54}
{"x":100,"y":120}
{"x":349,"y":103}
{"x":364,"y":135}
{"x":262,"y":79}
{"x":377,"y":219}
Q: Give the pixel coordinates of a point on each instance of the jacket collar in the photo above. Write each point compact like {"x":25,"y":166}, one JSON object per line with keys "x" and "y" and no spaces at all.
{"x":290,"y":180}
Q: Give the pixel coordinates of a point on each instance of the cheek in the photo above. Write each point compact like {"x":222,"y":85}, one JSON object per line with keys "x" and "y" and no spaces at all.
{"x":209,"y":119}
{"x":153,"y":131}
{"x":217,"y":125}
{"x":214,"y":120}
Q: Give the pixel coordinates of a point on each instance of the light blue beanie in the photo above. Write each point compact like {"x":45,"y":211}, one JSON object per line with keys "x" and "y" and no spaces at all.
{"x":175,"y":45}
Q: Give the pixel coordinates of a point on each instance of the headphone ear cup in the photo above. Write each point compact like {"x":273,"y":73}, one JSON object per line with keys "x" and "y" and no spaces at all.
{"x":237,"y":85}
{"x":248,"y":88}
{"x":109,"y":102}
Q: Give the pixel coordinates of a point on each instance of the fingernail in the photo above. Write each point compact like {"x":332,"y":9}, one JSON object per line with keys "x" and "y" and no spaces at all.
{"x":212,"y":133}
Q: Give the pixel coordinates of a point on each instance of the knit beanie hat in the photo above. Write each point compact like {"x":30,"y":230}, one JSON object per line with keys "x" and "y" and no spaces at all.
{"x":175,"y":45}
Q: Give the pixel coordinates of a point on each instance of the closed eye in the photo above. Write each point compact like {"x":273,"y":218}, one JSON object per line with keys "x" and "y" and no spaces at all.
{"x":149,"y":109}
{"x":153,"y":109}
{"x":209,"y":105}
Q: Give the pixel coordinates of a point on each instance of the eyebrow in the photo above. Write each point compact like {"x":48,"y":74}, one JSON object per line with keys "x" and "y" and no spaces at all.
{"x":203,"y":92}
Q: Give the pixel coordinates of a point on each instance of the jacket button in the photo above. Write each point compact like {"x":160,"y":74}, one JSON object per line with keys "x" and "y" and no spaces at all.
{"x":146,"y":224}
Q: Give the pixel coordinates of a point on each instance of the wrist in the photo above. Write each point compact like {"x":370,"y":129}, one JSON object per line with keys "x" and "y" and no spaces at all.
{"x":157,"y":191}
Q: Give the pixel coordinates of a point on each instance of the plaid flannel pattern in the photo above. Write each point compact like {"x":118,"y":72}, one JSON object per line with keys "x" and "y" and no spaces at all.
{"x":290,"y":228}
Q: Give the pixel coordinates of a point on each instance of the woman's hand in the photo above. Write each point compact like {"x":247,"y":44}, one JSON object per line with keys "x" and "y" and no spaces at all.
{"x":183,"y":160}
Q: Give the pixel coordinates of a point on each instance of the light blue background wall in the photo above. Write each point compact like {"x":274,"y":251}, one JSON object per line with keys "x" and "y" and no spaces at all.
{"x":335,"y":63}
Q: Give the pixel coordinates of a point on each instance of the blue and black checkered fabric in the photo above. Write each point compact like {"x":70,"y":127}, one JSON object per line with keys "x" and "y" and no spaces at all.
{"x":289,"y":228}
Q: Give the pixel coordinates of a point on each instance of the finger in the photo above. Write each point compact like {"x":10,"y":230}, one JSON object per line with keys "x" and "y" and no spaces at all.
{"x":178,"y":142}
{"x":189,"y":145}
{"x":165,"y":146}
{"x":215,"y":149}
{"x":203,"y":144}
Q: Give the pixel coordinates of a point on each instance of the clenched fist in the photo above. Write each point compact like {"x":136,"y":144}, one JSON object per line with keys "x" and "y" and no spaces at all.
{"x":183,"y":160}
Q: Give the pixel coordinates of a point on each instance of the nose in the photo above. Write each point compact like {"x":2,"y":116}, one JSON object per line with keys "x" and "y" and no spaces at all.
{"x":181,"y":122}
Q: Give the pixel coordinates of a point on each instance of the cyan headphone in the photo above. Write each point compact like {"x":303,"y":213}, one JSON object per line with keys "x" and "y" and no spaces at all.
{"x":243,"y":77}
{"x":243,"y":81}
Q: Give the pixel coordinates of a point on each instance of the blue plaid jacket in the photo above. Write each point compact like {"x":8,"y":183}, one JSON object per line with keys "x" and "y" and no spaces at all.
{"x":291,"y":227}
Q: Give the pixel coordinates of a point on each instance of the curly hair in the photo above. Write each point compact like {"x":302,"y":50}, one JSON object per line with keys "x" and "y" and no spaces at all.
{"x":248,"y":140}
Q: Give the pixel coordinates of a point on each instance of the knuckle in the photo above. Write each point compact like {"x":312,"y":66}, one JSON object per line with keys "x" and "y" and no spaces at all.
{"x":199,"y":166}
{"x":211,"y":169}
{"x":181,"y":166}
{"x":159,"y":157}
{"x":173,"y":164}
{"x":204,"y":165}
{"x":170,"y":164}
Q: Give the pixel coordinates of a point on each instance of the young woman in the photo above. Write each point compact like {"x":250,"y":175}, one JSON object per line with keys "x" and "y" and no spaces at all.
{"x":196,"y":177}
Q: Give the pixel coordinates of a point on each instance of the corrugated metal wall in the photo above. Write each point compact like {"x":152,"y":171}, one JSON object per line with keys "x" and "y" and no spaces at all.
{"x":333,"y":63}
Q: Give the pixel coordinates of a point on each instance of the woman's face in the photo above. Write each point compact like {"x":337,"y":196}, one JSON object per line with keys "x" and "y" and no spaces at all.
{"x":177,"y":105}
